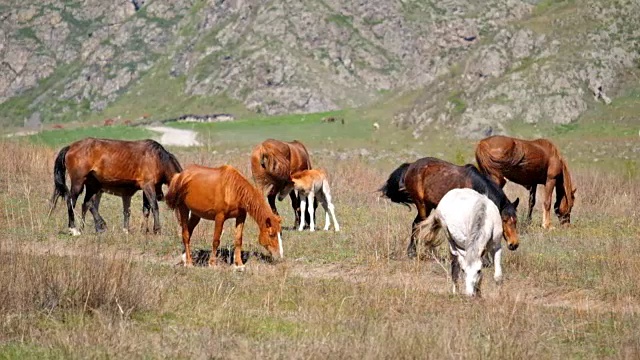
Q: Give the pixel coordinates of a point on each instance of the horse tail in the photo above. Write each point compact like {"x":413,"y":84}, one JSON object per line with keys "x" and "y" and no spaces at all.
{"x":394,"y":188}
{"x":176,"y":193}
{"x":59,"y":179}
{"x":427,"y":230}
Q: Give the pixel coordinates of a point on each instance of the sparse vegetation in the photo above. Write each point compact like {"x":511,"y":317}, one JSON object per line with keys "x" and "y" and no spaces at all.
{"x":568,"y":293}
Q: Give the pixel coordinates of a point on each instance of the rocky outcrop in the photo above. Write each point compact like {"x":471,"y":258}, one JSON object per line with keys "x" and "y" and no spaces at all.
{"x":478,"y":64}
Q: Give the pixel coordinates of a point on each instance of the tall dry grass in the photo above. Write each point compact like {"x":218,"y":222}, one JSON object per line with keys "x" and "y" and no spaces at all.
{"x":568,"y":293}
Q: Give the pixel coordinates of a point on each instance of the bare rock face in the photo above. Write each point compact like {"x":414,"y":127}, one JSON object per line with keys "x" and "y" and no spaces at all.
{"x":478,"y":64}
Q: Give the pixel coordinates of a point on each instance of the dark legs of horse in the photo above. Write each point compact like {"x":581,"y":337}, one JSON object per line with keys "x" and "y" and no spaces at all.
{"x":532,"y":201}
{"x":146,"y":210}
{"x":295,"y":204}
{"x":126,"y":212}
{"x":92,"y":203}
{"x":150,"y":193}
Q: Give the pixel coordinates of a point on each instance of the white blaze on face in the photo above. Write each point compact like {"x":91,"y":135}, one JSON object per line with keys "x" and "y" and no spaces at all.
{"x":280,"y":245}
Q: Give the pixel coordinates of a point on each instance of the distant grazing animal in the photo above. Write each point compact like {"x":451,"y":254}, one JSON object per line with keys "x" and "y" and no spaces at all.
{"x":425,"y":181}
{"x":309,"y":184}
{"x":376,"y":126}
{"x":109,"y":122}
{"x":474,"y":230}
{"x":219,"y":194}
{"x":58,"y":126}
{"x":117,"y":167}
{"x":273,"y":162}
{"x":529,"y":163}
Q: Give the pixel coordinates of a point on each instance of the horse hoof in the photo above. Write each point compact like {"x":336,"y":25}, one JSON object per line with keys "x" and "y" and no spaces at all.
{"x":239,"y":268}
{"x":498,"y":280}
{"x":126,"y":231}
{"x":74,"y":232}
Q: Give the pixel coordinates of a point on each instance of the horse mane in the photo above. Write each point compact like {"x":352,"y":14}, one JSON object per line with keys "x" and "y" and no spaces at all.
{"x":567,"y":184}
{"x":270,"y":166}
{"x":394,"y":188}
{"x":249,"y":196}
{"x":483,"y":185}
{"x":170,"y":164}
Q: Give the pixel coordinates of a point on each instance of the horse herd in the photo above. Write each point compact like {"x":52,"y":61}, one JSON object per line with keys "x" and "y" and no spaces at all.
{"x":469,"y":201}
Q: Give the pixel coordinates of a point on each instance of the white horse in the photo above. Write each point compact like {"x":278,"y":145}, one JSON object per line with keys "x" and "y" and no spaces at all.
{"x":474,"y":230}
{"x":308,"y":184}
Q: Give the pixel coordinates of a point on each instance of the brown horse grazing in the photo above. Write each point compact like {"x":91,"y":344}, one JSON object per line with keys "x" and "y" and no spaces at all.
{"x":529,"y":163}
{"x":219,"y":194}
{"x":273,"y":162}
{"x":425,"y":181}
{"x":117,"y":167}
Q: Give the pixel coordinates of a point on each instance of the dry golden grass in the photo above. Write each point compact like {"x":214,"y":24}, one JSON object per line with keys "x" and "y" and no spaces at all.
{"x":568,"y":293}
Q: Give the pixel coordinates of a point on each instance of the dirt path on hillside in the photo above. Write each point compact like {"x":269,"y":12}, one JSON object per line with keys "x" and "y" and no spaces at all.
{"x":175,"y":137}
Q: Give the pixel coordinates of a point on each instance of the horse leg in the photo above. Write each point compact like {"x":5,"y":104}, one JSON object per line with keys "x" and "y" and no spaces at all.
{"x":497,"y":258}
{"x":422,"y":215}
{"x":271,"y":197}
{"x":532,"y":201}
{"x":237,"y":243}
{"x":308,"y":215}
{"x":150,"y":193}
{"x":546,"y":214}
{"x":92,"y":202}
{"x":303,"y":203}
{"x":74,"y":192}
{"x":455,"y":272}
{"x":126,"y":212}
{"x":295,"y":204}
{"x":311,"y":211}
{"x":329,"y":210}
{"x":215,"y":243}
{"x":146,"y":210}
{"x":184,"y":220}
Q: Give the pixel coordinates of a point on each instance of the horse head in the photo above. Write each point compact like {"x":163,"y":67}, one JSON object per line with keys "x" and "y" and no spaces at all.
{"x":509,"y":215}
{"x":285,"y":189}
{"x":270,"y":235}
{"x":563,"y":207}
{"x":565,"y":197}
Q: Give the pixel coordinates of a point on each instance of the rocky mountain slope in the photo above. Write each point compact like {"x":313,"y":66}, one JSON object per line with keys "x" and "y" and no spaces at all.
{"x":473,"y":64}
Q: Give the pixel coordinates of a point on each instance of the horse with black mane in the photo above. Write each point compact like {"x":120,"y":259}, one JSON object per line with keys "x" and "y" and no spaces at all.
{"x":272,"y":164}
{"x":530,"y":163}
{"x":114,"y":166}
{"x":425,"y":181}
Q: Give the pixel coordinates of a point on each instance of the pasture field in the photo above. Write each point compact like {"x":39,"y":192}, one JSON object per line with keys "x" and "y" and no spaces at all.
{"x":567,"y":293}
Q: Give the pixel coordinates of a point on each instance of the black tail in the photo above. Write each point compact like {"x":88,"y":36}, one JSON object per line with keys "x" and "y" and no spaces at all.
{"x":59,"y":179}
{"x":394,"y":189}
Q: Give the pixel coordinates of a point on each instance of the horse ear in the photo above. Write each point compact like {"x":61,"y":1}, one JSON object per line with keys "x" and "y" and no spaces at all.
{"x":573,"y":192}
{"x":269,"y":224}
{"x":515,"y":203}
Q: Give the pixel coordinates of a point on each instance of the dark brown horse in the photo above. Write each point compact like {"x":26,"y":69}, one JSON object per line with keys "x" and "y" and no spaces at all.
{"x":114,"y":166}
{"x":529,"y":163}
{"x":425,"y":181}
{"x":273,"y":162}
{"x":219,"y":194}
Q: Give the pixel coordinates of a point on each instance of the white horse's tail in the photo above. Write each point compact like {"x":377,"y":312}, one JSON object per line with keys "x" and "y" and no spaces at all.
{"x":427,"y":230}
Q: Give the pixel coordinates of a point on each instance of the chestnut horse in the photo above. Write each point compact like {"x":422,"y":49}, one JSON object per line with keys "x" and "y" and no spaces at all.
{"x":529,"y":163}
{"x":219,"y":194}
{"x":117,"y":167}
{"x":272,"y":164}
{"x":425,"y":181}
